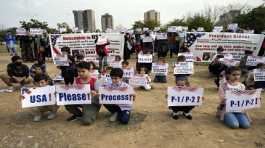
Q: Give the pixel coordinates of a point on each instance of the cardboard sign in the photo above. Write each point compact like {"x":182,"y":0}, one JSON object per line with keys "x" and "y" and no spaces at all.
{"x":184,"y":68}
{"x":160,"y":69}
{"x":184,"y":96}
{"x":128,"y":73}
{"x":254,"y":60}
{"x":138,"y":81}
{"x":188,"y":55}
{"x":40,"y":96}
{"x":116,"y":96}
{"x":145,"y":58}
{"x":238,"y":101}
{"x":73,"y":95}
{"x":259,"y":75}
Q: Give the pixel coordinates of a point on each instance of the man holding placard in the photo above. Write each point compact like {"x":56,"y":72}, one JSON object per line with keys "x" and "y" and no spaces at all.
{"x":117,"y":97}
{"x":256,"y":78}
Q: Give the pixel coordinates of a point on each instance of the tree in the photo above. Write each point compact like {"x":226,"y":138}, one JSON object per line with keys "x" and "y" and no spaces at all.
{"x":66,"y":26}
{"x":138,"y":24}
{"x":198,"y":20}
{"x":33,"y":23}
{"x":252,"y":20}
{"x":151,"y":24}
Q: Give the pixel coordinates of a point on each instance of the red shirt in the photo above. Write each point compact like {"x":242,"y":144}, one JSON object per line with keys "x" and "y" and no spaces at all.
{"x":90,"y":81}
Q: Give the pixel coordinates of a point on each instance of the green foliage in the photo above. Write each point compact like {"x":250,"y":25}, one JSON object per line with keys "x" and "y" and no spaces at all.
{"x":65,"y":25}
{"x":149,"y":24}
{"x":255,"y":19}
{"x":198,"y":20}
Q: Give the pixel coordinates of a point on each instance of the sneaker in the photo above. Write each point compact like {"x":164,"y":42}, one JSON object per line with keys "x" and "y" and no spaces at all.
{"x":175,"y":115}
{"x":72,"y":118}
{"x":113,"y":117}
{"x":37,"y":118}
{"x":51,"y":116}
{"x":188,"y":115}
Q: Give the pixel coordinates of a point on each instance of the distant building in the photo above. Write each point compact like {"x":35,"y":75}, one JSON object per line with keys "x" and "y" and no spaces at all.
{"x":227,"y":18}
{"x":106,"y":22}
{"x":85,"y":20}
{"x":152,"y":15}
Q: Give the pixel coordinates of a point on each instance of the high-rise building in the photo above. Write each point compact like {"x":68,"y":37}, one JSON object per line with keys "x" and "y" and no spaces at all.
{"x":152,"y":15}
{"x":106,"y":22}
{"x":85,"y":20}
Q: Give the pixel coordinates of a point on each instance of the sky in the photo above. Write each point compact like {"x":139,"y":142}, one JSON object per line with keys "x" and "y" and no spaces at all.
{"x":125,"y":12}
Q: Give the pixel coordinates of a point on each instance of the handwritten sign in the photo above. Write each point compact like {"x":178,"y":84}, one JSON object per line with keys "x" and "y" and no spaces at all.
{"x":138,"y":81}
{"x":128,"y":73}
{"x":254,"y":60}
{"x":238,"y":101}
{"x":184,"y":68}
{"x":145,"y":58}
{"x":21,"y":32}
{"x":36,"y":31}
{"x":184,"y":96}
{"x":40,"y":96}
{"x":259,"y":75}
{"x":160,"y":68}
{"x":73,"y":95}
{"x":116,"y":96}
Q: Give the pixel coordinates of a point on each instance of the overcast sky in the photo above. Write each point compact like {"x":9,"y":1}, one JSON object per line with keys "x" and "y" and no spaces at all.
{"x":124,"y":12}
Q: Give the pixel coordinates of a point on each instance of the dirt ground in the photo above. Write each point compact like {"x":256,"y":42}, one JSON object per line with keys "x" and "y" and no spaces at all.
{"x":150,"y":125}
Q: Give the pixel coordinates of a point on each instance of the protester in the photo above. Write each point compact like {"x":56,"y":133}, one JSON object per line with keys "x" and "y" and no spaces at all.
{"x":161,"y":77}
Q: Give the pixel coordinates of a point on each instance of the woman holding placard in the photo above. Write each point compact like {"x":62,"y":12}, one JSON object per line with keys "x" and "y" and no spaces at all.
{"x":232,"y":119}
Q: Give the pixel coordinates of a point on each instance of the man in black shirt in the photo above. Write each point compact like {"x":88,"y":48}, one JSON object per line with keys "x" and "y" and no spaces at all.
{"x":17,"y":73}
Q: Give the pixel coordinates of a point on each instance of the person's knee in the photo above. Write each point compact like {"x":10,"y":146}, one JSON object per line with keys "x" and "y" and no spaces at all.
{"x":230,"y":121}
{"x":124,"y":117}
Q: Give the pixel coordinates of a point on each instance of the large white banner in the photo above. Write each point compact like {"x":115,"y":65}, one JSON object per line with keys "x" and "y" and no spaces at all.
{"x":39,"y":96}
{"x":71,"y":95}
{"x":116,"y":96}
{"x":238,"y":101}
{"x":84,"y":44}
{"x":204,"y":44}
{"x":184,"y":96}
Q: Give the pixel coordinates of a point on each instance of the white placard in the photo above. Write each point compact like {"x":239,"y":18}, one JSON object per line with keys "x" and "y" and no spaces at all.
{"x":218,"y":28}
{"x":184,"y":96}
{"x":160,"y":68}
{"x":228,"y":62}
{"x":145,"y":58}
{"x":128,"y":73}
{"x":147,"y":39}
{"x":115,"y":64}
{"x":39,"y":96}
{"x":259,"y":75}
{"x":138,"y":81}
{"x":36,"y":31}
{"x":184,"y":68}
{"x":238,"y":101}
{"x":108,"y":96}
{"x":161,"y":36}
{"x":61,"y":60}
{"x":188,"y":55}
{"x":73,"y":95}
{"x":21,"y":32}
{"x":254,"y":60}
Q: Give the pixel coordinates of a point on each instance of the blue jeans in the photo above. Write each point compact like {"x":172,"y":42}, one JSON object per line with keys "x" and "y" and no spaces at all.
{"x":123,"y":115}
{"x":236,"y":120}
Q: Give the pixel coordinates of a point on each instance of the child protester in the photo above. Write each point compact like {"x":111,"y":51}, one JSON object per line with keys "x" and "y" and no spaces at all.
{"x":144,"y":73}
{"x":161,"y":77}
{"x":41,"y":80}
{"x":128,"y":72}
{"x":251,"y":83}
{"x":232,"y":119}
{"x":181,"y":82}
{"x":85,"y":113}
{"x":120,"y":112}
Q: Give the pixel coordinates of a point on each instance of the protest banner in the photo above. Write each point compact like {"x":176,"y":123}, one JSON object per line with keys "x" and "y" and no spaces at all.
{"x":161,"y":36}
{"x":259,"y":75}
{"x":254,"y":60}
{"x":36,"y":31}
{"x":71,"y":95}
{"x":39,"y":96}
{"x":84,"y":44}
{"x":21,"y":32}
{"x":128,"y":73}
{"x":138,"y":81}
{"x":184,"y":68}
{"x":184,"y":96}
{"x":238,"y":101}
{"x":160,"y":68}
{"x":218,"y":28}
{"x":108,"y":96}
{"x":205,"y":44}
{"x":61,"y":60}
{"x":145,"y":58}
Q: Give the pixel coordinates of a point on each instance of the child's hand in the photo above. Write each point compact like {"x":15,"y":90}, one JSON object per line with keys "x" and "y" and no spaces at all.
{"x":94,"y":93}
{"x":123,"y":89}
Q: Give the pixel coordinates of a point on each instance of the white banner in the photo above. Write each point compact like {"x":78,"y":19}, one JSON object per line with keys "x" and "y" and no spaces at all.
{"x":204,"y":45}
{"x":73,"y":95}
{"x":116,"y":96}
{"x":259,"y":75}
{"x":61,"y":60}
{"x":21,"y":32}
{"x":138,"y":81}
{"x":254,"y":60}
{"x":84,"y":44}
{"x":128,"y":73}
{"x":184,"y":68}
{"x":161,"y":36}
{"x":218,"y":28}
{"x":145,"y":58}
{"x":160,"y":68}
{"x":40,"y":96}
{"x":238,"y":101}
{"x":184,"y":96}
{"x":36,"y":31}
